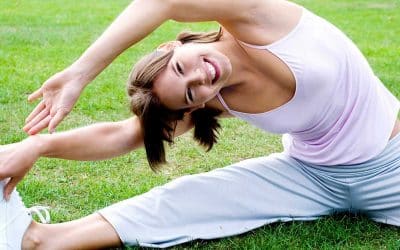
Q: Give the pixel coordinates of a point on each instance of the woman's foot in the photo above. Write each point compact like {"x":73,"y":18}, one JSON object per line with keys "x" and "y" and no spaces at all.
{"x":14,"y":220}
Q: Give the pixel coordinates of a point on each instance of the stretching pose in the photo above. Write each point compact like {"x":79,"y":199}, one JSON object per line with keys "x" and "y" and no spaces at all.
{"x":274,"y":64}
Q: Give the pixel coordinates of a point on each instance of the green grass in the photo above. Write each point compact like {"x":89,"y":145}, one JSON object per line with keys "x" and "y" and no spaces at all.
{"x":39,"y":38}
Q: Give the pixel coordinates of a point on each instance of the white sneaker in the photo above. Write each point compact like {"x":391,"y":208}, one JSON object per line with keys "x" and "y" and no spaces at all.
{"x":15,"y":218}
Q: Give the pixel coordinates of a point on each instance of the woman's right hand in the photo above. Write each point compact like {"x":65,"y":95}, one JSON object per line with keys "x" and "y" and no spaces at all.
{"x":59,"y":95}
{"x":16,"y":160}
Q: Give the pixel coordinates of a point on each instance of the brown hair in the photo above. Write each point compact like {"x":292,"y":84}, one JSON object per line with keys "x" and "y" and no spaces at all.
{"x":159,"y":122}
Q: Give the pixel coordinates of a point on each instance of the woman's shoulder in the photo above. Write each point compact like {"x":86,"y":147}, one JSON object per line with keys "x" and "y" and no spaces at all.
{"x":271,"y":21}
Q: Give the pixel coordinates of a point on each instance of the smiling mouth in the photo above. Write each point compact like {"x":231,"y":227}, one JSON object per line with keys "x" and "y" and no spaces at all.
{"x":213,"y":70}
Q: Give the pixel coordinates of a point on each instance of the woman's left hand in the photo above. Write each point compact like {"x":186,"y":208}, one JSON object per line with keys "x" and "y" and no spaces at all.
{"x":15,"y":161}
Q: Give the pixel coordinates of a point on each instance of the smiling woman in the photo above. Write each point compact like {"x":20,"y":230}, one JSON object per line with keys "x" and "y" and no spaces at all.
{"x":296,"y":75}
{"x":194,"y":75}
{"x":159,"y":76}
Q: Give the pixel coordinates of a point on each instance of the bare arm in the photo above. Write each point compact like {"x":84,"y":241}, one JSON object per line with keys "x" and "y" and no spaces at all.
{"x":94,"y":142}
{"x":142,"y":17}
{"x":138,"y":20}
{"x":98,"y":141}
{"x":61,"y":91}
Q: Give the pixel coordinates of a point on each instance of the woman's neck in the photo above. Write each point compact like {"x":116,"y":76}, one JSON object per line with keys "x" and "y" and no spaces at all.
{"x":238,"y":57}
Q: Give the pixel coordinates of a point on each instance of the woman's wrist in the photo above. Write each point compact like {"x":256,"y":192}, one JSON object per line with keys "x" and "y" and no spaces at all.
{"x":81,"y":73}
{"x":88,"y":66}
{"x":39,"y":143}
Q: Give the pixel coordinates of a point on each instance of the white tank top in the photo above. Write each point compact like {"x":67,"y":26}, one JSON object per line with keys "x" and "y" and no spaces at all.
{"x":341,"y":113}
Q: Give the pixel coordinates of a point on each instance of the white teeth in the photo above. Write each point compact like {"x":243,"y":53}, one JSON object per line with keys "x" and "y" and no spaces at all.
{"x":211,"y":69}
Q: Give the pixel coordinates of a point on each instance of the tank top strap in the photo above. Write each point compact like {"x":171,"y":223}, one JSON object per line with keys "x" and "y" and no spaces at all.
{"x":253,"y":46}
{"x":223,"y":102}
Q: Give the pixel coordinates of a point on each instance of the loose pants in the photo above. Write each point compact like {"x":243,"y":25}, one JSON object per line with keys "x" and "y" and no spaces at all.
{"x":249,"y":194}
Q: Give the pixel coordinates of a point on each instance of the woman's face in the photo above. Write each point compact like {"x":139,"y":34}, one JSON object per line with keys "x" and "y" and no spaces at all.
{"x":194,"y":75}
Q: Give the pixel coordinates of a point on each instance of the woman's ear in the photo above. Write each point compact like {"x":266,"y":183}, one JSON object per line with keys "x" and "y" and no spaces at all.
{"x":168,"y":46}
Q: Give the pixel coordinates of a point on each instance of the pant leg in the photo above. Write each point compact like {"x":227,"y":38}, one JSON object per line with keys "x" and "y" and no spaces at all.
{"x":226,"y":201}
{"x":377,"y":193}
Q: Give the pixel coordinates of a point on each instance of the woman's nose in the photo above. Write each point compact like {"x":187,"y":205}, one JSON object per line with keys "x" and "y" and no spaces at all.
{"x":197,"y":77}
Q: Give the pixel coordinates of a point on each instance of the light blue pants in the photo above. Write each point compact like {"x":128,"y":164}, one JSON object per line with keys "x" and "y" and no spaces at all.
{"x":255,"y":192}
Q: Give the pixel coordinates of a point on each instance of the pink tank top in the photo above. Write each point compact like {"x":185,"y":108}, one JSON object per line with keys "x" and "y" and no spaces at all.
{"x":341,"y":113}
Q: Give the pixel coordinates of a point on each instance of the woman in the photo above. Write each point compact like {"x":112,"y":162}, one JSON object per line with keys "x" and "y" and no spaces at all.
{"x":271,"y":61}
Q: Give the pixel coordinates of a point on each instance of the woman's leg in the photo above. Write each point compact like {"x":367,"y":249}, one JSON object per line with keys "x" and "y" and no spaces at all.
{"x":91,"y":232}
{"x":377,"y":191}
{"x":223,"y":202}
{"x":227,"y":201}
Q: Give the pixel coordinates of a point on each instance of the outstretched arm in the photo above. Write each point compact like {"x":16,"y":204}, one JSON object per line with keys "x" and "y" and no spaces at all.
{"x":94,"y":142}
{"x":61,"y":91}
{"x":142,"y":17}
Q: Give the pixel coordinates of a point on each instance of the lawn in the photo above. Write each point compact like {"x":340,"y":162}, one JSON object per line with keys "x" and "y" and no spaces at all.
{"x":41,"y":37}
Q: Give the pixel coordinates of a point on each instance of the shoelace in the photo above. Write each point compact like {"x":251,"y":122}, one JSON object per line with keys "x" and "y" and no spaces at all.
{"x":39,"y":211}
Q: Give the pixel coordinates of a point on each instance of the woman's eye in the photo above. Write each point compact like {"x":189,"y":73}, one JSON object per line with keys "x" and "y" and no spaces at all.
{"x":189,"y":95}
{"x":179,"y":68}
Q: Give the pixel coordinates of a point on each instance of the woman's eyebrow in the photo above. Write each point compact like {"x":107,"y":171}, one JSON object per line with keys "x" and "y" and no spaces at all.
{"x":174,"y":69}
{"x":184,"y":93}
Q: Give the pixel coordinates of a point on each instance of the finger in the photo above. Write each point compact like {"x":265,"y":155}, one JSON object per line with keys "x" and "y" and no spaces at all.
{"x":36,"y":120}
{"x":3,"y":174}
{"x":36,"y":111}
{"x":10,"y":186}
{"x":35,"y":95}
{"x":40,"y":126}
{"x":61,"y":113}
